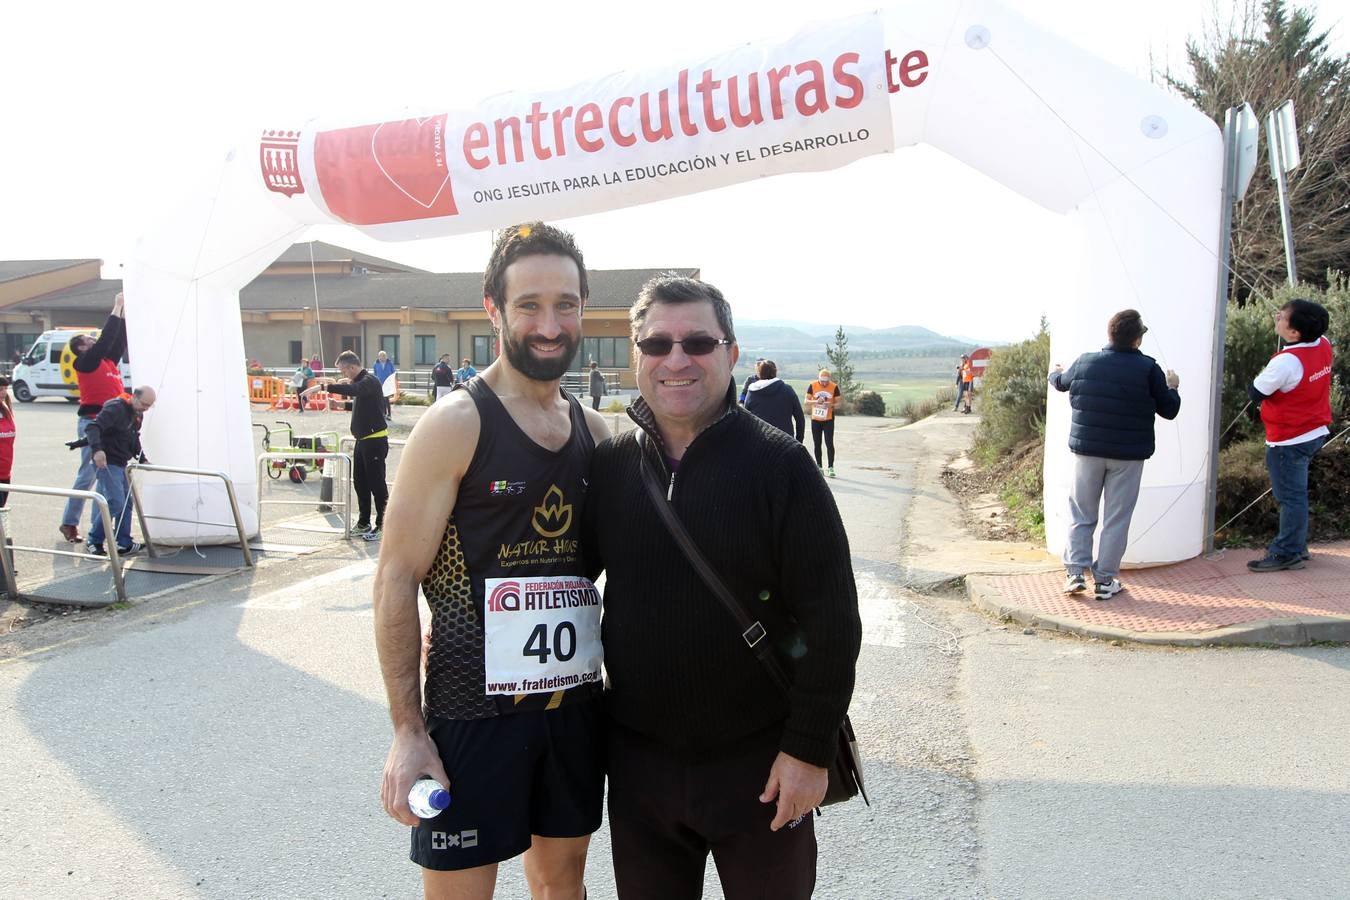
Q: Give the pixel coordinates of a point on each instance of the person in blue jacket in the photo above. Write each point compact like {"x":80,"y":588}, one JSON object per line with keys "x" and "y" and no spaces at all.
{"x":770,"y":398}
{"x":384,"y":369}
{"x":1115,"y":394}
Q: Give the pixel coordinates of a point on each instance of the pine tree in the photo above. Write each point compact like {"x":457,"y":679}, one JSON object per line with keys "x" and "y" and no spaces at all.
{"x":839,"y":366}
{"x":1269,"y":54}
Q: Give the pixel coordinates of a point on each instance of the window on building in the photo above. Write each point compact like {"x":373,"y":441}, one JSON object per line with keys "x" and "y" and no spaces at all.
{"x":424,"y":349}
{"x":609,"y":352}
{"x":296,"y":353}
{"x":484,"y":350}
{"x":351,"y":342}
{"x":389,"y":344}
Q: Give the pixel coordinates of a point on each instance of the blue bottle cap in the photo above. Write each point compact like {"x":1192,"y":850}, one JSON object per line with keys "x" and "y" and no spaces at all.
{"x":439,"y":799}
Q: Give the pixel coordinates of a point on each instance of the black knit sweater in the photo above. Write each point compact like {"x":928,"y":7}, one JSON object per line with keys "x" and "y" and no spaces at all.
{"x":678,"y":669}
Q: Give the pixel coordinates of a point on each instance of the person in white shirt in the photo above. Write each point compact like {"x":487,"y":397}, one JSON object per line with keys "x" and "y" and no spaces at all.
{"x":1294,"y":390}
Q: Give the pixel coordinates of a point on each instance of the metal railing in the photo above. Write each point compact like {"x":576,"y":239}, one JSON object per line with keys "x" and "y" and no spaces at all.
{"x":114,"y":559}
{"x":141,"y":517}
{"x":418,"y":381}
{"x":579,"y":383}
{"x":348,"y":445}
{"x":265,"y":458}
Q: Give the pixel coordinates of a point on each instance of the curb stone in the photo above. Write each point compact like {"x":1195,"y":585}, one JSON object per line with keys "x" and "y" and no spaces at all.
{"x":1290,"y":632}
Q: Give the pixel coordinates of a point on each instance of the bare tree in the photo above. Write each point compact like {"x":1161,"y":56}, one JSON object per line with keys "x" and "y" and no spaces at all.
{"x":1267,"y":54}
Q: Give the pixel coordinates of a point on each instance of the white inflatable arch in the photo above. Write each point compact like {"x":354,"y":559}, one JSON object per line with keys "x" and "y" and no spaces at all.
{"x":1137,"y":169}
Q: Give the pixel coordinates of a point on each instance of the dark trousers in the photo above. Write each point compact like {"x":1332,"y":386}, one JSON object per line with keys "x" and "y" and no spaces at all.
{"x":1288,"y":467}
{"x":595,"y":401}
{"x":112,"y":484}
{"x":961,"y":388}
{"x":666,"y":815}
{"x":825,"y":428}
{"x":368,"y":477}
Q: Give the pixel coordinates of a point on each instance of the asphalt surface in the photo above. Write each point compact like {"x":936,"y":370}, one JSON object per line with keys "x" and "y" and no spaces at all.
{"x":226,"y":739}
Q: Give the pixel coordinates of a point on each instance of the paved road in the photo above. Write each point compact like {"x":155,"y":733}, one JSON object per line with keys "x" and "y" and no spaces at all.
{"x":1108,"y":771}
{"x":225,"y":741}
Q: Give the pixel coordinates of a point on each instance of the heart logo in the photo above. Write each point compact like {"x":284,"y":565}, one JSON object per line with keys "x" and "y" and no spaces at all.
{"x":411,"y":154}
{"x":391,"y":172}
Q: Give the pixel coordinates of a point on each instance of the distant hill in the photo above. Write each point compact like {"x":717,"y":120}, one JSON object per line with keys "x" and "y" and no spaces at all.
{"x":785,"y":337}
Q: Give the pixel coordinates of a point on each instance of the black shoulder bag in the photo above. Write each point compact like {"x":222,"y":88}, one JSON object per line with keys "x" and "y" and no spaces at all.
{"x":846,"y":772}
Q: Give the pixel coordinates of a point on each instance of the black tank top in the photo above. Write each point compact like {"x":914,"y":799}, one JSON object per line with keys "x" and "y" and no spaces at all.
{"x":518,"y":513}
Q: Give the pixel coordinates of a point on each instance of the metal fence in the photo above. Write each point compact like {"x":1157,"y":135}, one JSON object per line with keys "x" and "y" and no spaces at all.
{"x":141,"y":517}
{"x":344,"y":479}
{"x":418,"y":381}
{"x":113,"y":559}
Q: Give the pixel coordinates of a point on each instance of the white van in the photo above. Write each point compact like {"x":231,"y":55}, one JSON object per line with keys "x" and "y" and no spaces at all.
{"x":48,"y":368}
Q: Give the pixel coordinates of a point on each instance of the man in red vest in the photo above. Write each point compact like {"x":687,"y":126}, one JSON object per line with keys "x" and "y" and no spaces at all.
{"x":100,"y":378}
{"x":1294,"y":390}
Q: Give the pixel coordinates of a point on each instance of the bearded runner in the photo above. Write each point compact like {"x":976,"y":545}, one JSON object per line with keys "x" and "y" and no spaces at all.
{"x":485,"y":518}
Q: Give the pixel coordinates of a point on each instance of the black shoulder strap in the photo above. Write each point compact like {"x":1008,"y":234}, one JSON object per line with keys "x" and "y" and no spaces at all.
{"x":752,"y":632}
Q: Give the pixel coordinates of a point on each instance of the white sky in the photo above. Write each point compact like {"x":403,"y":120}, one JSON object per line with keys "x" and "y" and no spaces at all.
{"x":109,"y":107}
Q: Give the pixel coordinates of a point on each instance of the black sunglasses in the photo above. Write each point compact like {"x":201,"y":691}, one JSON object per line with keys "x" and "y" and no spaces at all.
{"x":693,"y":346}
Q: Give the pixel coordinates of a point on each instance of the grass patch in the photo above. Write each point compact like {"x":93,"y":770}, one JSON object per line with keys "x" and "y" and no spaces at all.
{"x":922,"y":407}
{"x":1023,"y":489}
{"x":898,"y":393}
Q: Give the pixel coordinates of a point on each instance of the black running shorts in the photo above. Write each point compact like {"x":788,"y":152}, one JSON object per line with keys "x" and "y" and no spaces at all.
{"x":512,"y":776}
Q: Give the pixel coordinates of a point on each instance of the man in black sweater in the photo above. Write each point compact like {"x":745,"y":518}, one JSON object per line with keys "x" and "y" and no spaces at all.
{"x":372,"y":440}
{"x":114,"y":439}
{"x":442,"y":376}
{"x":706,"y":753}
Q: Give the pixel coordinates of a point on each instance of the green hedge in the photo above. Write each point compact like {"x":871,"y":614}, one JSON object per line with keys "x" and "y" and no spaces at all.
{"x":870,"y":403}
{"x":1012,"y":413}
{"x":1012,"y":397}
{"x":1243,"y":478}
{"x":1250,"y":341}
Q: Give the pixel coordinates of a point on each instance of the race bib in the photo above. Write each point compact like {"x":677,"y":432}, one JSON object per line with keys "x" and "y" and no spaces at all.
{"x":820,"y":413}
{"x":542,"y":634}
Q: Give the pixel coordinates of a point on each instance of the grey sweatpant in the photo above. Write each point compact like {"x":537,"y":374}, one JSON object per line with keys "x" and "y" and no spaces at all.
{"x":1095,"y":477}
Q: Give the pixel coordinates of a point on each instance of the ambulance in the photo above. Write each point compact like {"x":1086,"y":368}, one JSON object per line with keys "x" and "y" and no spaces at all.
{"x":48,"y":368}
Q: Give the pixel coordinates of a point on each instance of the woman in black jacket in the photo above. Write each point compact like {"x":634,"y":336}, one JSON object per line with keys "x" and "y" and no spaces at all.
{"x":772,"y":400}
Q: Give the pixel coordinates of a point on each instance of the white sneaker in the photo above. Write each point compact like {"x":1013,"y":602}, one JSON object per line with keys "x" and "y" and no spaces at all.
{"x":1108,"y":589}
{"x":1074,"y":584}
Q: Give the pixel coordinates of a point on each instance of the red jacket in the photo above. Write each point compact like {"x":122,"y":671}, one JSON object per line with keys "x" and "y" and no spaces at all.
{"x":8,"y":430}
{"x":97,"y":371}
{"x":1308,"y":406}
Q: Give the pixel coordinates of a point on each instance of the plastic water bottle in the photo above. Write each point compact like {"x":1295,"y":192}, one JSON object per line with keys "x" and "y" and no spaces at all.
{"x":427,"y":798}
